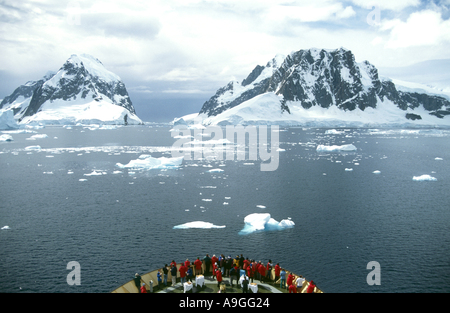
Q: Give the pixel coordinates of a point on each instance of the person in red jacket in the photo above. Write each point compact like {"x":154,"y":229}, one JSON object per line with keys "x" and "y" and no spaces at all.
{"x":262,"y":272}
{"x":250,"y":273}
{"x":214,"y":267}
{"x":277,"y":272}
{"x":292,"y":288}
{"x":198,"y":266}
{"x":187,"y":263}
{"x":290,"y":279}
{"x":183,"y":269}
{"x":143,"y":289}
{"x":311,"y":287}
{"x":219,"y":277}
{"x":246,"y":264}
{"x":214,"y":259}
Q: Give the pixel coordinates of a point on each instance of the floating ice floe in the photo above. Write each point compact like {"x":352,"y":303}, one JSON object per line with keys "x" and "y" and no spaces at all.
{"x":349,"y":170}
{"x":33,"y":148}
{"x":263,"y":222}
{"x":39,"y":136}
{"x":261,"y":206}
{"x":217,"y":170}
{"x":149,"y":163}
{"x":376,"y":172}
{"x":333,"y":132}
{"x":323,"y":148}
{"x":5,"y":228}
{"x":439,"y":159}
{"x":198,"y":225}
{"x":6,"y":138}
{"x":95,"y":173}
{"x":424,"y":178}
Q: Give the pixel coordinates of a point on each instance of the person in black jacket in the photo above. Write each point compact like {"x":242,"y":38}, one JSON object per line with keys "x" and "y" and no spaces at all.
{"x":137,"y":282}
{"x":207,"y":261}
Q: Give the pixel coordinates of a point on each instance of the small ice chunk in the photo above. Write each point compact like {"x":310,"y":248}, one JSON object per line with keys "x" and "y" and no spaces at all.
{"x":333,"y":132}
{"x":217,"y":170}
{"x":39,"y":136}
{"x":33,"y":148}
{"x":349,"y":170}
{"x":323,"y":148}
{"x":198,"y":225}
{"x":376,"y":172}
{"x":153,"y":163}
{"x":261,"y":206}
{"x":439,"y":159}
{"x":94,"y":173}
{"x":5,"y":228}
{"x":424,"y":178}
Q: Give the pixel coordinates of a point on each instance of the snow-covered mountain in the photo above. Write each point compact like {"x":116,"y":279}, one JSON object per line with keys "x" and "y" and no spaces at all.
{"x":324,"y":88}
{"x":82,"y":91}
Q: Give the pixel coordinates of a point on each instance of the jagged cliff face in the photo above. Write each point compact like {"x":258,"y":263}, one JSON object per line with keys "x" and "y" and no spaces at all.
{"x":322,"y":78}
{"x":80,"y":80}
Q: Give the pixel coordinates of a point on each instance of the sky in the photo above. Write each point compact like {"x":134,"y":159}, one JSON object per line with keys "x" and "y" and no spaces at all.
{"x":173,"y":55}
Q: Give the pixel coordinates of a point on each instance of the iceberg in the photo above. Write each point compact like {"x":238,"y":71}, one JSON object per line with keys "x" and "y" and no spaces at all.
{"x":150,"y":163}
{"x":258,"y":222}
{"x":198,"y":225}
{"x":323,"y":148}
{"x":7,"y":120}
{"x":424,"y":178}
{"x":6,"y":138}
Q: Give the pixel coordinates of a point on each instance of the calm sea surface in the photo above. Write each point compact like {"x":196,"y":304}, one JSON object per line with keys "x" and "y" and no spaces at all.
{"x":120,"y":221}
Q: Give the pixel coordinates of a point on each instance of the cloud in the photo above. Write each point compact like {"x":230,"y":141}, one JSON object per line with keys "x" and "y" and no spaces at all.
{"x":310,"y":11}
{"x":424,"y":28}
{"x":393,"y":5}
{"x":184,"y":48}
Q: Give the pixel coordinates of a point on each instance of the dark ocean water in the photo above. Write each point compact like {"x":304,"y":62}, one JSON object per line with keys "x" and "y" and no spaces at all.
{"x":117,"y":224}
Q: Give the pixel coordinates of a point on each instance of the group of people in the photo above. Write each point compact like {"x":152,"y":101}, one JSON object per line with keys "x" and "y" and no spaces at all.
{"x":222,"y":266}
